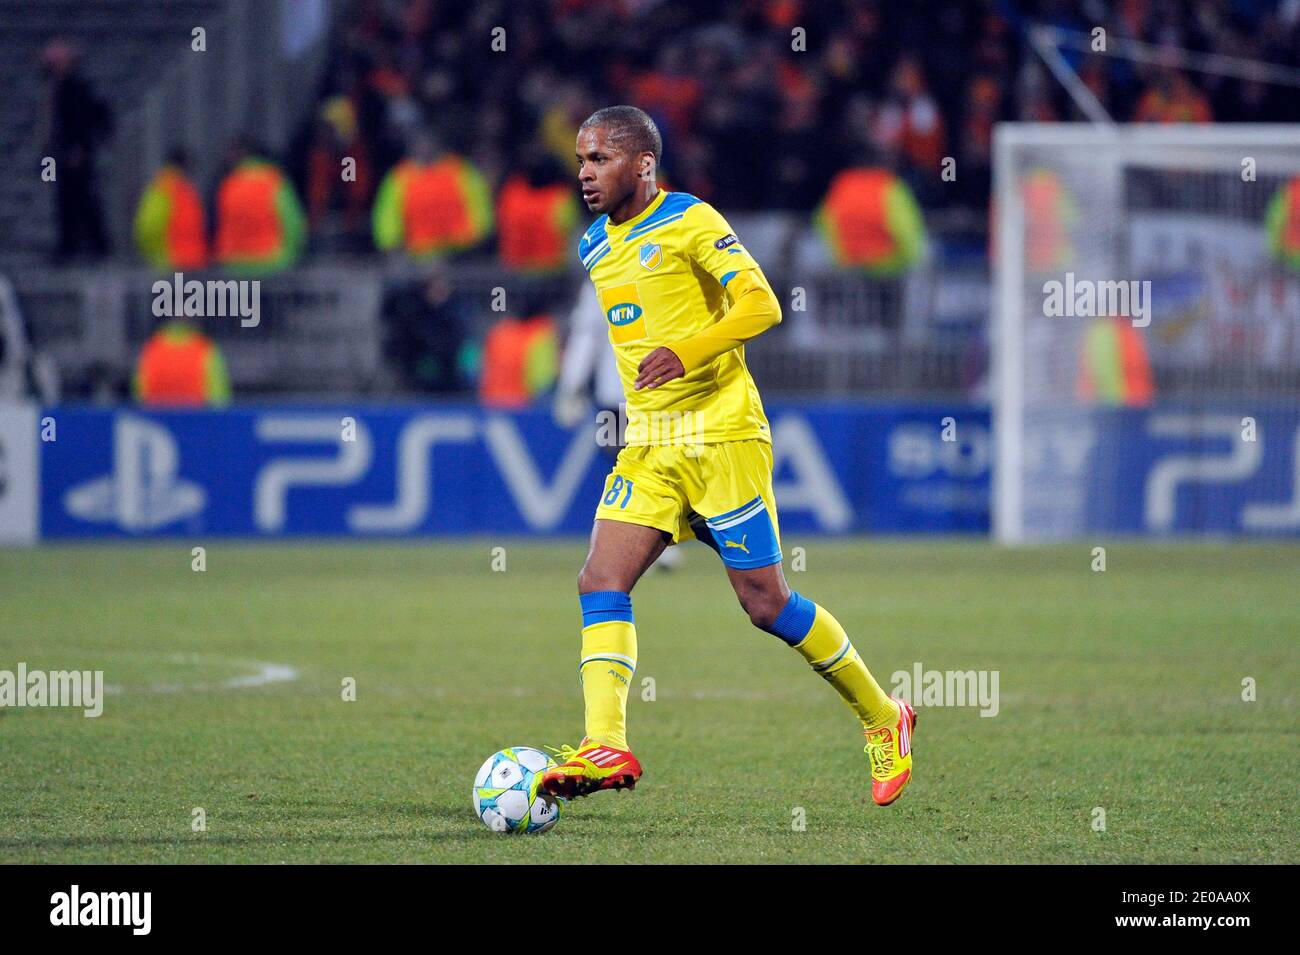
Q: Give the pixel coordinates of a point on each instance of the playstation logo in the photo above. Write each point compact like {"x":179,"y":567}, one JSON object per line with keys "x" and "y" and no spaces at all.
{"x":143,"y":492}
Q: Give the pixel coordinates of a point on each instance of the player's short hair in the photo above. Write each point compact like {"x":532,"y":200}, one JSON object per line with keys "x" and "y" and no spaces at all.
{"x":628,"y":126}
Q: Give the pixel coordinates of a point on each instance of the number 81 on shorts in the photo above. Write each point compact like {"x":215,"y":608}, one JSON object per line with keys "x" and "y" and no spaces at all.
{"x":618,"y":486}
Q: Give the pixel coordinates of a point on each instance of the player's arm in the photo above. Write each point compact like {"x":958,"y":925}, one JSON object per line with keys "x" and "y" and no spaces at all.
{"x":753,"y":310}
{"x":753,"y":306}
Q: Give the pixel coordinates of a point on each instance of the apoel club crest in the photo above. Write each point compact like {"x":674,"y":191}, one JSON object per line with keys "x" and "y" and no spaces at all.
{"x":651,"y":256}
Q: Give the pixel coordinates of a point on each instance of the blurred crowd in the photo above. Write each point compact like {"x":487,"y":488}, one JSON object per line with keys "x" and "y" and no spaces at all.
{"x":762,"y":103}
{"x":448,"y":128}
{"x":756,"y":114}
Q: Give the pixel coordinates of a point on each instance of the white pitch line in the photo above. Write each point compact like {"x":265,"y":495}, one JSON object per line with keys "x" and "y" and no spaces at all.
{"x":265,"y":675}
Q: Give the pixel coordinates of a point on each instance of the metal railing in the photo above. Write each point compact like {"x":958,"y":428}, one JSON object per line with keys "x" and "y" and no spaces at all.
{"x":318,"y":329}
{"x":321,"y":328}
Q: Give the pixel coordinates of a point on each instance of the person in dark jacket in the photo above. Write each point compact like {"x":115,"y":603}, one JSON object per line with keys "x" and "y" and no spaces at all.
{"x":76,"y":123}
{"x":425,"y":327}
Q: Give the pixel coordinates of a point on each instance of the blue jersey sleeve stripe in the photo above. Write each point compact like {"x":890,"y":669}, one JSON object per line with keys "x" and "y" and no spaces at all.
{"x":593,"y":237}
{"x":651,"y":226}
{"x":595,"y":252}
{"x":671,"y":209}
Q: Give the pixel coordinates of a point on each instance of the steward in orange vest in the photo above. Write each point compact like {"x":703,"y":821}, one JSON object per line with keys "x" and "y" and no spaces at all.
{"x":170,"y":227}
{"x":180,"y":366}
{"x":1114,"y":368}
{"x":1050,"y":217}
{"x":1282,"y":222}
{"x":260,"y":223}
{"x":1049,"y":213}
{"x":520,"y":361}
{"x":871,"y":221}
{"x":536,"y":217}
{"x":431,"y":204}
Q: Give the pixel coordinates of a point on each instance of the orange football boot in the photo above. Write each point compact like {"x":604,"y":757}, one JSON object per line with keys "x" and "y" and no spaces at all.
{"x":890,"y":750}
{"x":590,"y":768}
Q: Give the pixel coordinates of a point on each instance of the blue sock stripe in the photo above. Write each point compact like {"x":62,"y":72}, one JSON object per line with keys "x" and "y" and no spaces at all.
{"x":795,"y":620}
{"x":604,"y":606}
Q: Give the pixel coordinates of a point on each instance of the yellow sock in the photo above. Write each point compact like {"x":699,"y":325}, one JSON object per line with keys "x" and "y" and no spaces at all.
{"x":608,"y":662}
{"x":828,"y":650}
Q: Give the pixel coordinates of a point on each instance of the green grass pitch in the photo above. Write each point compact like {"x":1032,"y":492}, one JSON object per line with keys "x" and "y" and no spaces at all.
{"x":1119,"y":690}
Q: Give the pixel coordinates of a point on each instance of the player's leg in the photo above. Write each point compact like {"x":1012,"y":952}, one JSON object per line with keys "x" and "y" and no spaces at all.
{"x":669,"y":560}
{"x":619,"y":554}
{"x":747,"y":539}
{"x":818,"y":637}
{"x":630,"y":532}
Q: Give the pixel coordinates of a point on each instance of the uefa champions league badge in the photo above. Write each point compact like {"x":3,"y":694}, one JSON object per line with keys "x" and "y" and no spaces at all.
{"x":651,"y":255}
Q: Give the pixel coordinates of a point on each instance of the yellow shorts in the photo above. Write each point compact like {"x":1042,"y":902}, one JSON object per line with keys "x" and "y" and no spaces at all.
{"x":720,"y":494}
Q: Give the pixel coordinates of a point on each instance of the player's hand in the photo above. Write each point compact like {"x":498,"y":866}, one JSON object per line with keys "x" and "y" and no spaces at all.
{"x":660,"y":366}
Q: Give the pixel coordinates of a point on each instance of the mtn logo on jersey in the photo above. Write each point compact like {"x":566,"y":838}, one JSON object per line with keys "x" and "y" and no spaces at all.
{"x":623,"y":312}
{"x":665,"y":262}
{"x":651,"y":256}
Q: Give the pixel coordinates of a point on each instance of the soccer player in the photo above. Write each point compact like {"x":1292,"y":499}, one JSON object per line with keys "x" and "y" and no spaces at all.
{"x":681,"y":296}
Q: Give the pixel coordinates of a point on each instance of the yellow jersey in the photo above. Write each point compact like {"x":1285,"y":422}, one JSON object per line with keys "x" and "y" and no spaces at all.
{"x":660,"y":278}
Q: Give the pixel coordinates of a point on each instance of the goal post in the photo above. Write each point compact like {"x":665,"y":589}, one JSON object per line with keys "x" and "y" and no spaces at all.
{"x":1145,"y":353}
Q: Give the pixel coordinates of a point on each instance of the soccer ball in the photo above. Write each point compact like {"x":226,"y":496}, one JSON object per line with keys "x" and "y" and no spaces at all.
{"x":505,"y":792}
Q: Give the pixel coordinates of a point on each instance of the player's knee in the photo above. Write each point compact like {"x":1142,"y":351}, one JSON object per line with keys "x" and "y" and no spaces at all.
{"x":763,"y":605}
{"x":592,"y":579}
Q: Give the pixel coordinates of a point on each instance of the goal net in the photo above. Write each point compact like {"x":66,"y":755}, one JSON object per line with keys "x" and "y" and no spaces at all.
{"x":1146,"y":330}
